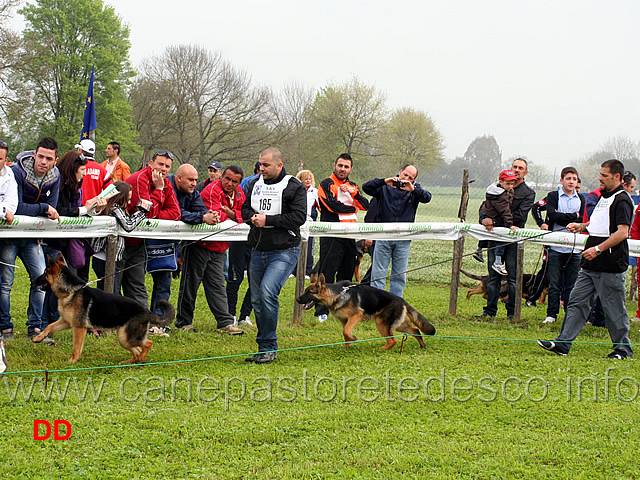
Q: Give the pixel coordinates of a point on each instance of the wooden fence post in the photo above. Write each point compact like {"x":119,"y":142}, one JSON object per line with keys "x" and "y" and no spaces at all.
{"x":110,"y":263}
{"x":458,"y":246}
{"x":300,"y":272}
{"x":517,"y":310}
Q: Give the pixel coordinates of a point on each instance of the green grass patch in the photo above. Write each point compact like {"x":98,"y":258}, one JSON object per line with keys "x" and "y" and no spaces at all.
{"x":481,"y":401}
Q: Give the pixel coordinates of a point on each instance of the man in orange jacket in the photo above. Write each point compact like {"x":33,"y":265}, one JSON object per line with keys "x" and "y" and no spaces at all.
{"x":340,"y":200}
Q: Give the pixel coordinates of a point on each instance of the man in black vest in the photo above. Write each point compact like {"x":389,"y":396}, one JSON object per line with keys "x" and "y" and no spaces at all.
{"x":276,"y":205}
{"x":605,"y":260}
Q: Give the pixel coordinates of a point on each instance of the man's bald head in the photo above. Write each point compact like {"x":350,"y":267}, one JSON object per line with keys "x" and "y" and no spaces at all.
{"x":186,"y":178}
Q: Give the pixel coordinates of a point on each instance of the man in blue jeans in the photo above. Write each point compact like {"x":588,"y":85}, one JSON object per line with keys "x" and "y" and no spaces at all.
{"x":563,"y":206}
{"x":523,"y":198}
{"x":398,"y":199}
{"x":38,"y":181}
{"x":276,"y":206}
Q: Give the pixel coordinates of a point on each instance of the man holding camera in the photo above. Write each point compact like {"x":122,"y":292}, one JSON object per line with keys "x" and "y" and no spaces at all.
{"x":398,"y":199}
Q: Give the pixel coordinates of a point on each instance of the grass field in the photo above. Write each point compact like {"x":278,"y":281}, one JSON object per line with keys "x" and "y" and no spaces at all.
{"x":481,"y":401}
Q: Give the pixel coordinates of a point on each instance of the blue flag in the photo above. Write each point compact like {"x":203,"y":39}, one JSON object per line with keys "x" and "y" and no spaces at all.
{"x":89,"y":120}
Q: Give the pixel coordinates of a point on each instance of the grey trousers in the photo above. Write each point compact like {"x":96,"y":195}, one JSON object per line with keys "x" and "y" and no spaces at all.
{"x":202,"y":266}
{"x":610,"y":288}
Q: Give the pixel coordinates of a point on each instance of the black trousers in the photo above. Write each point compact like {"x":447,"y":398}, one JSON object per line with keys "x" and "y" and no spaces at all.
{"x":337,"y":261}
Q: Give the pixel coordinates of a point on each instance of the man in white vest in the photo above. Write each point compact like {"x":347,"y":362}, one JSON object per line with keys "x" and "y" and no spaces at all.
{"x":276,"y":206}
{"x":605,"y":260}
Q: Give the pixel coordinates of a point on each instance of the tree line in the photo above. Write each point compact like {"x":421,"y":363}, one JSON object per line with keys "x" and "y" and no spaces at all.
{"x":194,"y":102}
{"x":189,"y":99}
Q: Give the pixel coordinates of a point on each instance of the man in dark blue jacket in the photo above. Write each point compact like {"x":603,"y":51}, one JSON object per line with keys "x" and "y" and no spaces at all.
{"x":398,"y":199}
{"x":38,"y":182}
{"x":193,"y":212}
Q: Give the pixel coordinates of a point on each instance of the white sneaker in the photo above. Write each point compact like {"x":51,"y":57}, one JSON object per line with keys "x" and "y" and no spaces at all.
{"x":322,"y":318}
{"x":549,"y":320}
{"x":500,"y":268}
{"x":246,"y":321}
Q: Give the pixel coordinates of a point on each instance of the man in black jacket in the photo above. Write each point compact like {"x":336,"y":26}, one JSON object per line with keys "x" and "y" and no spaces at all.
{"x":605,"y":260}
{"x":563,"y":206}
{"x":398,"y":200}
{"x":523,"y":198}
{"x":276,"y":206}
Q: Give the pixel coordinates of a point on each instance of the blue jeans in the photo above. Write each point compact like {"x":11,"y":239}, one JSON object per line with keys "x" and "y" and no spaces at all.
{"x":509,"y":258}
{"x":396,"y":252}
{"x":161,"y":290}
{"x":269,"y":271}
{"x":31,"y":255}
{"x":562,"y":271}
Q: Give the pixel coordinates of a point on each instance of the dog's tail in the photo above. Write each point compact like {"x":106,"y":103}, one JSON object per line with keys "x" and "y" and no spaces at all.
{"x":167,"y":317}
{"x":419,"y":321}
{"x":471,"y":275}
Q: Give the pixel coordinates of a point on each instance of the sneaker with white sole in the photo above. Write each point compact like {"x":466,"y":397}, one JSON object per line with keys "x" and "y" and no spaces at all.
{"x":246,"y":321}
{"x":549,"y":320}
{"x":617,"y":355}
{"x":552,"y":347}
{"x":477,"y":255}
{"x":500,"y":268}
{"x":323,"y":317}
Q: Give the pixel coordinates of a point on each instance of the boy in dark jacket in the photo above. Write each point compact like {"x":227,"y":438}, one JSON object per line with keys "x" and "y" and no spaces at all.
{"x":497,"y":206}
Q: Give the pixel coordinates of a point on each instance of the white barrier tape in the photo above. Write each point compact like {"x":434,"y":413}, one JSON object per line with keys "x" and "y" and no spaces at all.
{"x":100,"y":226}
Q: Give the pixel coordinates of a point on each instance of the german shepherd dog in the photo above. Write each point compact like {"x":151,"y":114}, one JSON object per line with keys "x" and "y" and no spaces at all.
{"x":534,"y":287}
{"x":351,"y":302}
{"x":82,"y":308}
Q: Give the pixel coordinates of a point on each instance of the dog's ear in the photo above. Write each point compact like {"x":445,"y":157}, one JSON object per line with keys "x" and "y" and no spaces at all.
{"x":60,"y":260}
{"x":321,"y":279}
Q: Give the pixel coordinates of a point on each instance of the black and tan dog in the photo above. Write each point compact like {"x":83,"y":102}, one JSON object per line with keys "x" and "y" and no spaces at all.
{"x":351,"y":302}
{"x":534,"y":287}
{"x":82,"y":308}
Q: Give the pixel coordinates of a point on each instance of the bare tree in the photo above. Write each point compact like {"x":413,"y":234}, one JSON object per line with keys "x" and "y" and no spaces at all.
{"x":291,"y":110}
{"x":204,"y":107}
{"x":622,"y":148}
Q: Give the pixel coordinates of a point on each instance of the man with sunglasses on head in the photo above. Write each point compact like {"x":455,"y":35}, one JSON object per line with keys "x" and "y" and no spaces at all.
{"x":149,"y":184}
{"x":38,"y":183}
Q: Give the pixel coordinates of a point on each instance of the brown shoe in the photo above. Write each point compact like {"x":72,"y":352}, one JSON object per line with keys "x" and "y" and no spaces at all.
{"x":231,"y":329}
{"x":188,"y":328}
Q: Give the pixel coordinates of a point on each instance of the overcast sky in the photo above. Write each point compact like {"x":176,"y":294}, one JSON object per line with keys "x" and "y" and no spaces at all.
{"x":552,"y":80}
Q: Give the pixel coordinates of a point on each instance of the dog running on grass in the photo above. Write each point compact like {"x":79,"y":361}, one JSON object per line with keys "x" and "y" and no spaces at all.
{"x":351,"y":302}
{"x":82,"y":308}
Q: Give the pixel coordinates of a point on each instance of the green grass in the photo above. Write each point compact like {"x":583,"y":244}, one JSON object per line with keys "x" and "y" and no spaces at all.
{"x":529,"y":414}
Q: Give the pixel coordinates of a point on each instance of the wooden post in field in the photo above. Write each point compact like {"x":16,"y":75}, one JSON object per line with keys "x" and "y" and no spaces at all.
{"x":300,"y":271}
{"x":517,"y":310}
{"x":110,"y":263}
{"x":458,"y":246}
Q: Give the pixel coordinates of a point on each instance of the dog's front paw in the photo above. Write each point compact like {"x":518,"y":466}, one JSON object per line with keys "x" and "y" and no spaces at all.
{"x":38,"y":338}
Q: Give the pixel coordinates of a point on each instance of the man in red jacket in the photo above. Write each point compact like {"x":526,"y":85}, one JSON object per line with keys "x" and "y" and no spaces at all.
{"x":150,"y":184}
{"x":203,"y":262}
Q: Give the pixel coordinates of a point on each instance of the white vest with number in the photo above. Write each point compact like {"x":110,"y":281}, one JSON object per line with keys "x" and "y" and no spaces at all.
{"x":266,"y":199}
{"x":600,"y":218}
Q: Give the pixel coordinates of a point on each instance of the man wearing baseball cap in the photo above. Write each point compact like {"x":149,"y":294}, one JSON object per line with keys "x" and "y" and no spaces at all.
{"x":215,"y":172}
{"x":522,"y":198}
